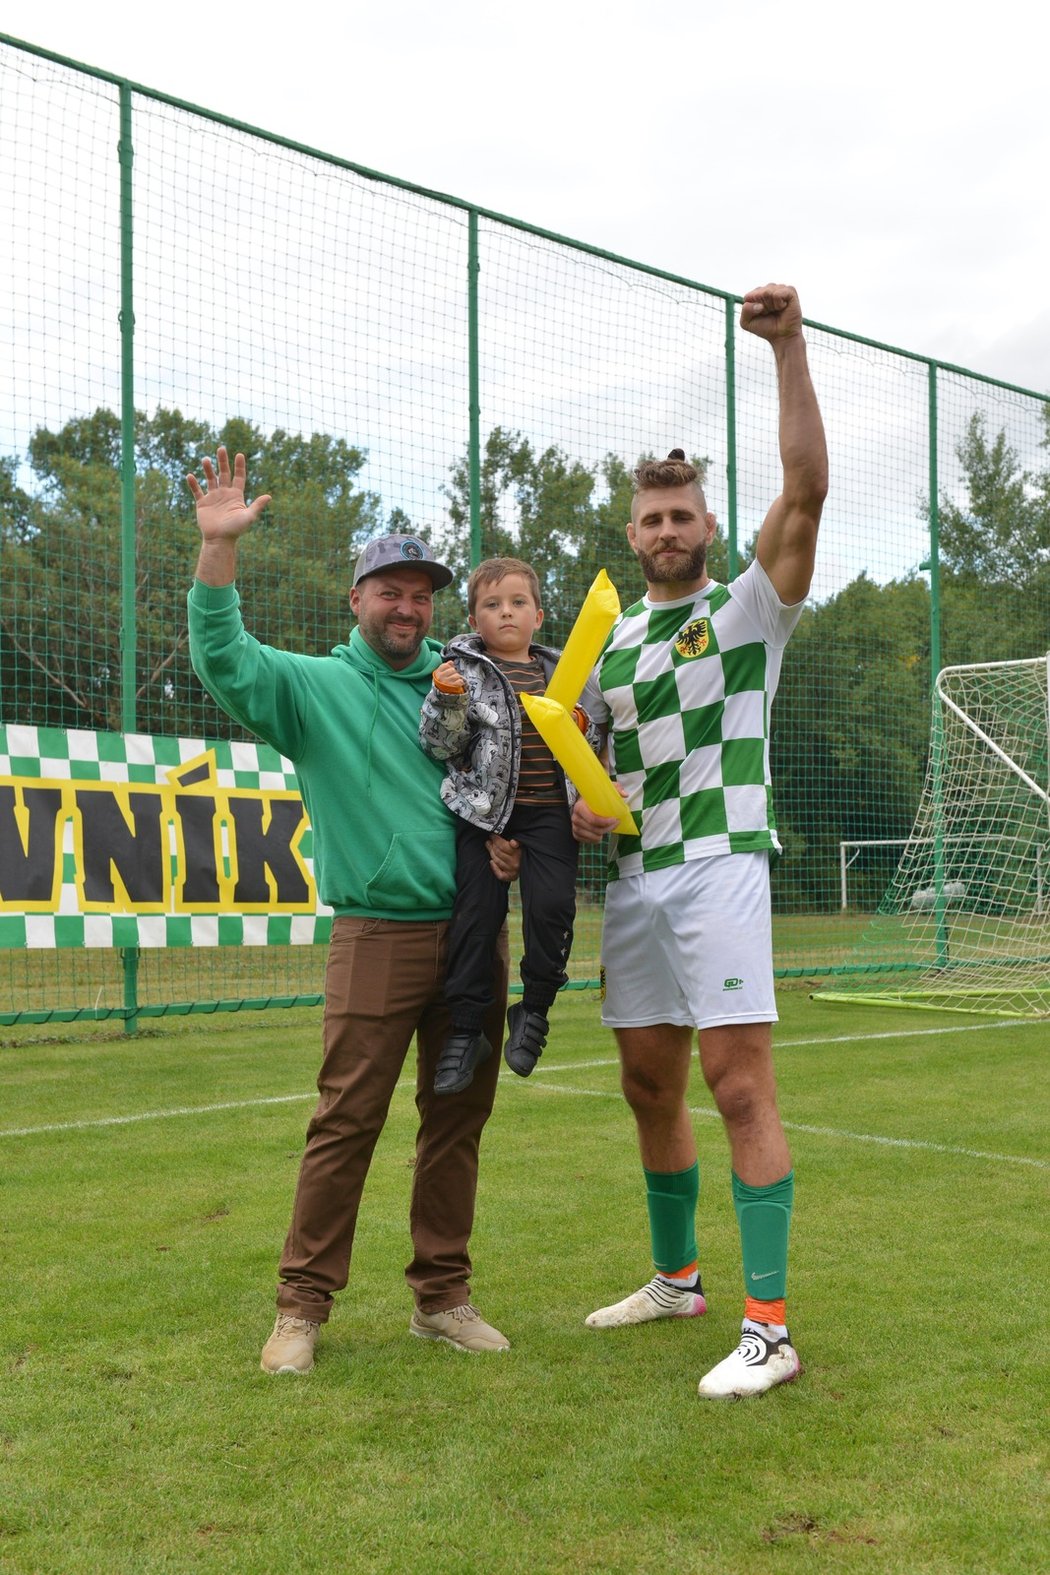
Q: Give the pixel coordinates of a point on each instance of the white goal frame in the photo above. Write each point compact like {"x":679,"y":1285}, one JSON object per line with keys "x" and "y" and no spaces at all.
{"x":964,"y":924}
{"x":846,"y":863}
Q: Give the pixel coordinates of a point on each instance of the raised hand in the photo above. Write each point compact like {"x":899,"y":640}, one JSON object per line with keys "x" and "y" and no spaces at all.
{"x":772,"y":312}
{"x":222,"y":513}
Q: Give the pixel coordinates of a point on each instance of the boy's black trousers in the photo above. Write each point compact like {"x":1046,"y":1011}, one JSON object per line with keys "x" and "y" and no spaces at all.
{"x":549,"y":856}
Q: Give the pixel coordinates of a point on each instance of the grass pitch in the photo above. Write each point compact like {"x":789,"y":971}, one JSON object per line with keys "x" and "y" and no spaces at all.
{"x":145,"y":1187}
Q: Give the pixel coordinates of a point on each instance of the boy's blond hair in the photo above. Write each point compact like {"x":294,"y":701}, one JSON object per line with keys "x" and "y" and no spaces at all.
{"x":493,"y":570}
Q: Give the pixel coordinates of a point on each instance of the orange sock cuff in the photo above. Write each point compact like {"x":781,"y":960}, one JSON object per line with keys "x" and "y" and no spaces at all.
{"x":680,"y":1274}
{"x":764,"y":1312}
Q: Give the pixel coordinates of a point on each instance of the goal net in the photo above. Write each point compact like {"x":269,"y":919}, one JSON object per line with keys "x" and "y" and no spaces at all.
{"x":965,"y":922}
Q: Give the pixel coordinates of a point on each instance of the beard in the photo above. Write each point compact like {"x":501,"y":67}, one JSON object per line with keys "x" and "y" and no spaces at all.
{"x":670,"y":568}
{"x":396,"y":644}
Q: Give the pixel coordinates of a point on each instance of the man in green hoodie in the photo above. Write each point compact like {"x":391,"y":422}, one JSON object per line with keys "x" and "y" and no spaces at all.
{"x":385,"y":861}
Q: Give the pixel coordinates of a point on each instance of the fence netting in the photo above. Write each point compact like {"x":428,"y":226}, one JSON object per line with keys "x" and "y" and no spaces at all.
{"x":319,"y":319}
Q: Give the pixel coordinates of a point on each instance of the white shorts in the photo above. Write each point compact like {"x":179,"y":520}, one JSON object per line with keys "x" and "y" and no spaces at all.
{"x":691,"y":945}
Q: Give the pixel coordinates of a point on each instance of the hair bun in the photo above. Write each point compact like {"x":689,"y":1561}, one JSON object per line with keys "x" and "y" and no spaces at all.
{"x":677,"y":453}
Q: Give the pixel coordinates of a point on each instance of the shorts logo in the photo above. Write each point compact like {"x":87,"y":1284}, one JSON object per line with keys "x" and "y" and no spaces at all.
{"x":694,"y":638}
{"x":732,"y":984}
{"x":601,"y":984}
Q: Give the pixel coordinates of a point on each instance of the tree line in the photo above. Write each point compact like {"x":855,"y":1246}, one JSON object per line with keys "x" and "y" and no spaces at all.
{"x":851,"y":721}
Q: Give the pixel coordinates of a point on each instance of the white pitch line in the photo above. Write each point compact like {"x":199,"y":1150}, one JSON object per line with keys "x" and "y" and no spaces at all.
{"x":90,"y":1124}
{"x":933,"y":1148}
{"x":152,"y":1115}
{"x":832,"y":1132}
{"x":909,"y":1033}
{"x":580,"y":1066}
{"x":846,"y":1039}
{"x":596,"y":1093}
{"x":550,"y":1088}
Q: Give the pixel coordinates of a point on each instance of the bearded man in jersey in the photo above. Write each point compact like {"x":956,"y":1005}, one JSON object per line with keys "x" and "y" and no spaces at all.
{"x":687,"y":678}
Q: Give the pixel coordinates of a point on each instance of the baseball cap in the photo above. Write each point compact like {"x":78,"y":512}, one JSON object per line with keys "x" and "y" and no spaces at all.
{"x":400,"y":552}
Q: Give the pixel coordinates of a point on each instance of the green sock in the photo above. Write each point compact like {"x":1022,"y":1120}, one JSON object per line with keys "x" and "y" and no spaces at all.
{"x":764,"y":1217}
{"x":672,"y":1198}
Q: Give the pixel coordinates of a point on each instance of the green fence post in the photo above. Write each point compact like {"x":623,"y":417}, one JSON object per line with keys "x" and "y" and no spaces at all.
{"x":128,"y":630}
{"x":129,"y":958}
{"x":934,"y":561}
{"x":473,"y":269}
{"x":128,"y":625}
{"x":937,"y":730}
{"x":731,"y":520}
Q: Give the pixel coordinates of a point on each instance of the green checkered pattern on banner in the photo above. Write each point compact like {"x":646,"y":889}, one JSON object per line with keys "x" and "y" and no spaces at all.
{"x":56,"y":754}
{"x":686,"y":684}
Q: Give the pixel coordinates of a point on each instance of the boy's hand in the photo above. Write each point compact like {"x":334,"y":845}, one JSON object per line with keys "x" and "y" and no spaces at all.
{"x":504,"y":857}
{"x":447,"y":680}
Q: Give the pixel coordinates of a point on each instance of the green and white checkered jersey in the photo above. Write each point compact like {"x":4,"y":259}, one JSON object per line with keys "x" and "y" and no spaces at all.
{"x":688,"y":685}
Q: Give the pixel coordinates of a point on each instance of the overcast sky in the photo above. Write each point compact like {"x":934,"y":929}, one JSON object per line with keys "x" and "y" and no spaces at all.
{"x":891,"y":163}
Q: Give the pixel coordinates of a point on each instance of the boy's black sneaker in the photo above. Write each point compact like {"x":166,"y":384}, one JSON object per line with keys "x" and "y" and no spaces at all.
{"x":526,"y":1039}
{"x":460,"y":1054}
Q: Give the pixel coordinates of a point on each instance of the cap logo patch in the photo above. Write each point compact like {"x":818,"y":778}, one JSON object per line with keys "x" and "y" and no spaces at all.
{"x":413,"y":549}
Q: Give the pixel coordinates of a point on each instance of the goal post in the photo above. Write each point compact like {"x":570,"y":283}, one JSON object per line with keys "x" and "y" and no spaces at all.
{"x":965,"y":922}
{"x":850,"y":850}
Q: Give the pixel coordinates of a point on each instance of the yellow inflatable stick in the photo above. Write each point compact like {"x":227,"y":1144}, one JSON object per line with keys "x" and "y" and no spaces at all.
{"x":600,"y":610}
{"x":577,"y":759}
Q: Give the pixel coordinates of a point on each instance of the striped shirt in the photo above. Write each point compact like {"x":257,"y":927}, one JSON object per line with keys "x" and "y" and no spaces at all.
{"x":539,"y":780}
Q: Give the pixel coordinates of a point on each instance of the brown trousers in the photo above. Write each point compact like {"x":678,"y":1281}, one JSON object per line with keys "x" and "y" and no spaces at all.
{"x":384,"y":983}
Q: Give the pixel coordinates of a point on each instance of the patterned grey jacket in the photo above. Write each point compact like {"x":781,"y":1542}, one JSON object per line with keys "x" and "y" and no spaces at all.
{"x":478,"y":734}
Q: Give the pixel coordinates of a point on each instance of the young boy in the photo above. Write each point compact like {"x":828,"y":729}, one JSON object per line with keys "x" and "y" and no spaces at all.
{"x":501,"y":777}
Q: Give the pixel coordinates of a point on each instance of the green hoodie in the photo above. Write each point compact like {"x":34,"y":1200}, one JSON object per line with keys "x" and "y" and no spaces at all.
{"x":384,"y":844}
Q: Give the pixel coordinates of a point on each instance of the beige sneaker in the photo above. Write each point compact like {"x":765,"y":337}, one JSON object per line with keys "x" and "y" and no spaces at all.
{"x":290,"y":1348}
{"x":463,"y":1327}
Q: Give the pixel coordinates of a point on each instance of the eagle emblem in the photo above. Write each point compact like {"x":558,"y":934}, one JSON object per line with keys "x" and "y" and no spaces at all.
{"x":694,"y":638}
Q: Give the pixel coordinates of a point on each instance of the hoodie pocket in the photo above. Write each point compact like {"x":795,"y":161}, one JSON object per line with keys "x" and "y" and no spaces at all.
{"x":418,"y":874}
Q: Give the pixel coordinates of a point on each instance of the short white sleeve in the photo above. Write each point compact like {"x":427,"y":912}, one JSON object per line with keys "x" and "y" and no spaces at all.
{"x":775,"y":620}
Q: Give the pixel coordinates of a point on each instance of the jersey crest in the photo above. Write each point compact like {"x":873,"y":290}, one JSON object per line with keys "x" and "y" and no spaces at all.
{"x":694,"y":638}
